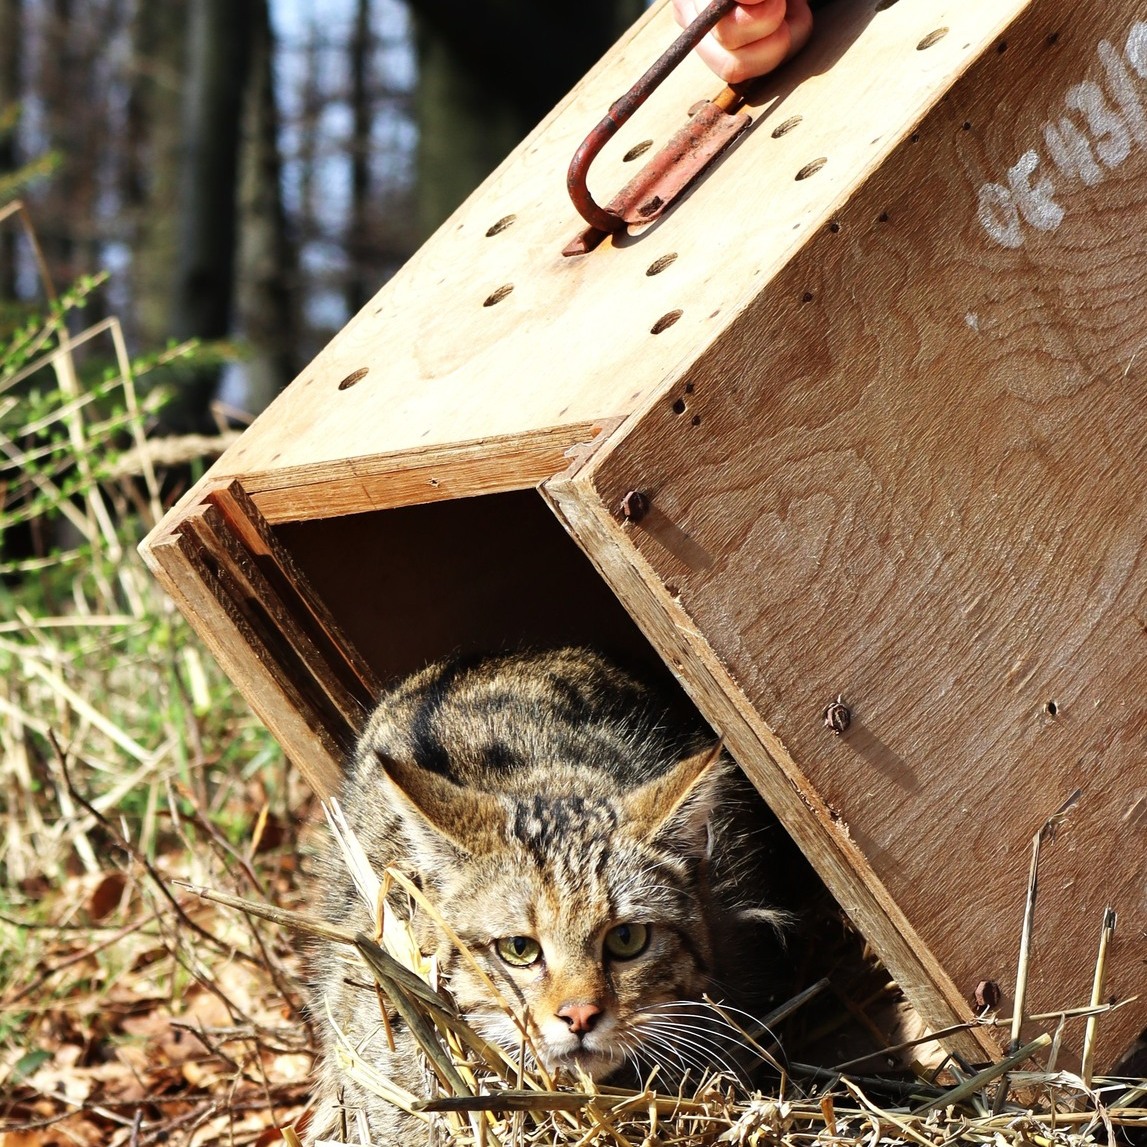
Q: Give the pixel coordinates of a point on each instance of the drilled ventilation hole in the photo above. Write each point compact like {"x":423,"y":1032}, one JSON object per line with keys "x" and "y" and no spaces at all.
{"x":807,"y":297}
{"x":834,"y":227}
{"x":501,"y":225}
{"x":680,"y":406}
{"x":638,"y":149}
{"x":787,"y":126}
{"x":659,"y":265}
{"x":498,"y":295}
{"x":665,"y":322}
{"x":354,"y":377}
{"x":933,"y":37}
{"x":1051,"y":708}
{"x":812,"y":168}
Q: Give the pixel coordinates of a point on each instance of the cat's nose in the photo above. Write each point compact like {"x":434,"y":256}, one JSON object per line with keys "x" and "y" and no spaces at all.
{"x":579,"y":1017}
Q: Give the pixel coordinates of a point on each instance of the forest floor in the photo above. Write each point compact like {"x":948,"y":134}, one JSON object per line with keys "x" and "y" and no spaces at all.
{"x":132,"y":1011}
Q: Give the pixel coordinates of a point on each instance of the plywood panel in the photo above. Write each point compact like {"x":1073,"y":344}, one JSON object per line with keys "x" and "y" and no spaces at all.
{"x":447,"y":384}
{"x":914,"y":473}
{"x":469,"y":575}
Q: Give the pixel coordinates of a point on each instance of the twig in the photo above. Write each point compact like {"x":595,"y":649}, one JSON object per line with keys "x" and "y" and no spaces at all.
{"x":1106,"y":934}
{"x":511,"y":1100}
{"x":38,"y":982}
{"x":142,"y":860}
{"x":981,"y":1079}
{"x":221,"y":843}
{"x":1083,"y":1012}
{"x":296,"y":921}
{"x":1047,"y":829}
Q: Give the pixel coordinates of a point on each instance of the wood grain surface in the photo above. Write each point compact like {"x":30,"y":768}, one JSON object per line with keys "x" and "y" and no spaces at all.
{"x":913,"y":474}
{"x":489,"y":353}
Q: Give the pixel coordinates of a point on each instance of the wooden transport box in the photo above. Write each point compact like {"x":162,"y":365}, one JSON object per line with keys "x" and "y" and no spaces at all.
{"x":864,"y":416}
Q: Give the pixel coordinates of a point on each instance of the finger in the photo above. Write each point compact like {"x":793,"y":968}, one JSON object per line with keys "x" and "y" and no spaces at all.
{"x":799,"y":20}
{"x":748,"y":23}
{"x":752,"y":60}
{"x":685,"y":12}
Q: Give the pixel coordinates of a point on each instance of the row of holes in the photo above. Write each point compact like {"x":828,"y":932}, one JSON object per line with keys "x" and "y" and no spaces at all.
{"x":667,"y":320}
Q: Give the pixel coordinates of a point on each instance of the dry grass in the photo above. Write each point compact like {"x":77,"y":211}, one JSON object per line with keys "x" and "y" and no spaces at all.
{"x":483,"y":1097}
{"x":129,"y":1012}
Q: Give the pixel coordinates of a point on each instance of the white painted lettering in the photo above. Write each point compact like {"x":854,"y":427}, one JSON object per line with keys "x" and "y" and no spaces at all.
{"x":999,"y":215}
{"x":1071,"y":152}
{"x":1034,"y":199}
{"x":1136,"y":48}
{"x":1123,"y":89}
{"x":1112,"y":140}
{"x":1113,"y":121}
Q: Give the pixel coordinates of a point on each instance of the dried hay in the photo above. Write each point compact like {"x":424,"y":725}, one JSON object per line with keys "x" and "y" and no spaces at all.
{"x":484,"y":1098}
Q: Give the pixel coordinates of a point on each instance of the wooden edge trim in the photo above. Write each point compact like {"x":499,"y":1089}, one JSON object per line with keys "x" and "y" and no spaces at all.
{"x":408,"y":478}
{"x":765,"y":760}
{"x":271,"y":623}
{"x":288,"y":581}
{"x":241,"y":657}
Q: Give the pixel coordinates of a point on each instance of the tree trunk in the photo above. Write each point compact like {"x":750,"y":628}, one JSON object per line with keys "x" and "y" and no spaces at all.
{"x":152,"y":169}
{"x":76,"y":121}
{"x":11,"y":39}
{"x":487,"y":74}
{"x":218,"y":55}
{"x":266,"y":270}
{"x":358,"y":288}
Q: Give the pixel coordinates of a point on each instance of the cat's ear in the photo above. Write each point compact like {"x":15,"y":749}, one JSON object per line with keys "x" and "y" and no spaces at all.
{"x":675,"y":809}
{"x":441,"y":818}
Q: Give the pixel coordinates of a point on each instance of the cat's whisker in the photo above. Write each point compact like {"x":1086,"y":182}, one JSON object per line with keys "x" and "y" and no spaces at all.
{"x":671,"y":1065}
{"x":713,"y":1046}
{"x":701,"y":1054}
{"x":691,"y":1046}
{"x":747,"y":1034}
{"x":704,"y":1014}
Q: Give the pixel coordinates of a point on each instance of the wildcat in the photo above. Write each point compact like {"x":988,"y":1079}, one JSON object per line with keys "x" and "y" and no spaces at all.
{"x":594,"y":849}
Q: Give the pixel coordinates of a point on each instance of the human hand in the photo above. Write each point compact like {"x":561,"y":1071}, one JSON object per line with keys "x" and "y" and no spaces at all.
{"x":752,"y":39}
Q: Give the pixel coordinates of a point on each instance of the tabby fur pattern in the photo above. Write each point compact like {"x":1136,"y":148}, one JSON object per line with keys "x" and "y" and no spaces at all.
{"x":597,"y":853}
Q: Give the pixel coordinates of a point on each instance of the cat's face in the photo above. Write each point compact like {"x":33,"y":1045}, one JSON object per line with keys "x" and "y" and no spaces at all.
{"x":586,"y":913}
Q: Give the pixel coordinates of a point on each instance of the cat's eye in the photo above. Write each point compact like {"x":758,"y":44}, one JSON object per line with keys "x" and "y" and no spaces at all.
{"x":625,"y":941}
{"x":521,"y":951}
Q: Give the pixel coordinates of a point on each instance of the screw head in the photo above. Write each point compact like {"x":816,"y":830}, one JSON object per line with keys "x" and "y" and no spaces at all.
{"x":987,"y":995}
{"x":837,"y":716}
{"x":634,"y":506}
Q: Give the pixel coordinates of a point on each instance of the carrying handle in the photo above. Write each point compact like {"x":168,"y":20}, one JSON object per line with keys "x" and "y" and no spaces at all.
{"x":599,"y":217}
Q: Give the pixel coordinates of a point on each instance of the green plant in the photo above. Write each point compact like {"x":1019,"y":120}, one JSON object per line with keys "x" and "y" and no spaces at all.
{"x":90,"y":648}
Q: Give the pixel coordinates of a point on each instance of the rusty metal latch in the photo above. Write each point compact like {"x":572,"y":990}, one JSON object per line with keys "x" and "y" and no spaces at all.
{"x":712,"y":126}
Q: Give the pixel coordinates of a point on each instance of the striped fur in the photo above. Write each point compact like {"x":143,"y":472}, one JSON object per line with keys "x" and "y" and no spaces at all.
{"x":553,"y":798}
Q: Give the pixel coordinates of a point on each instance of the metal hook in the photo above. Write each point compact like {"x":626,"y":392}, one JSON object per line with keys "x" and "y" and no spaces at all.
{"x":606,"y":220}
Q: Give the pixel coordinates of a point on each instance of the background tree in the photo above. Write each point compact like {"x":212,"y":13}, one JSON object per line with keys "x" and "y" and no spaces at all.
{"x":266,"y":270}
{"x":216,"y":72}
{"x":257,"y":188}
{"x":11,"y":26}
{"x":488,"y":73}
